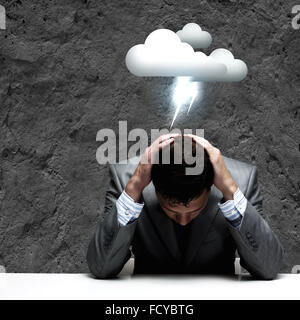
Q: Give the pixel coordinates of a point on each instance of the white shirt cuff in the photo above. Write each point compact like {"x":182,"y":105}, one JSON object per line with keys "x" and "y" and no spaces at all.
{"x":127,"y":209}
{"x":234,"y":209}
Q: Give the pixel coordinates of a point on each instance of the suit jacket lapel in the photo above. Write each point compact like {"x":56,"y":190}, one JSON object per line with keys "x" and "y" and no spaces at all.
{"x":201,"y":224}
{"x":162,"y":222}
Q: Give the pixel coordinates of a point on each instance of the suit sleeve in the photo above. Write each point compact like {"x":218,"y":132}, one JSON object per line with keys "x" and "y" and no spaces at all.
{"x":260,"y":250}
{"x":108,"y":250}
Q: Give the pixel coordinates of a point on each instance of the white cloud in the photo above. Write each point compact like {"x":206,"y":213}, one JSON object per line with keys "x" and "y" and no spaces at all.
{"x":164,"y":55}
{"x":192,"y":34}
{"x":236,"y":69}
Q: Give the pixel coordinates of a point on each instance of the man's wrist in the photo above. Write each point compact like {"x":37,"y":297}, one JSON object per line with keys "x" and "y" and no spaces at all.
{"x":134,"y":188}
{"x":229,"y":191}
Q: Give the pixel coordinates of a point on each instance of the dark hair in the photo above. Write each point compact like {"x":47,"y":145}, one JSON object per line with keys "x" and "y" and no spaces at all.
{"x":171,"y":181}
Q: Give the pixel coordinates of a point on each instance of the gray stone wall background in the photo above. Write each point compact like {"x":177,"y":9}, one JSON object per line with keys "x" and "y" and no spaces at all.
{"x":63,"y":78}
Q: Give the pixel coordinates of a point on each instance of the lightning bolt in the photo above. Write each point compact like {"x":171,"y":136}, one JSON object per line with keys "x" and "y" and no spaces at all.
{"x":185,"y":90}
{"x":192,"y":101}
{"x":175,"y":115}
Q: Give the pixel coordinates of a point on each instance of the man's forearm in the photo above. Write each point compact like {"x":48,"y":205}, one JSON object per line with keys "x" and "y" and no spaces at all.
{"x":110,"y":238}
{"x":260,"y":250}
{"x":134,"y":188}
{"x":229,"y":190}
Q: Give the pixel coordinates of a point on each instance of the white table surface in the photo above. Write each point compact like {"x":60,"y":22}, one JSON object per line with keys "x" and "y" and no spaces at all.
{"x":83,"y":286}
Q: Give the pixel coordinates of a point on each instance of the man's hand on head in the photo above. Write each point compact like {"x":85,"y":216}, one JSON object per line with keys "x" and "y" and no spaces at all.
{"x":222,"y":178}
{"x":142,"y":175}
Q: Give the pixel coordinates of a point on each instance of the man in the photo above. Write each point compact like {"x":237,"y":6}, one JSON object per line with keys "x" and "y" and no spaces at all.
{"x":179,"y":223}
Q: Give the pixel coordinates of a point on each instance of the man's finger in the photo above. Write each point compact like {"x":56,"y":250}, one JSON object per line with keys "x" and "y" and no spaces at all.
{"x":166,"y":142}
{"x":204,"y":143}
{"x":165,"y":137}
{"x":170,"y":135}
{"x":197,"y":139}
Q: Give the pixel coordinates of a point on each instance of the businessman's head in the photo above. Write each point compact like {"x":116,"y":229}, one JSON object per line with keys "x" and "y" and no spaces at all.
{"x":182,"y":196}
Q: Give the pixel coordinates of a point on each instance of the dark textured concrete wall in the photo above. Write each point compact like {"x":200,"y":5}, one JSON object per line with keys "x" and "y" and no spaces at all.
{"x":63,"y":78}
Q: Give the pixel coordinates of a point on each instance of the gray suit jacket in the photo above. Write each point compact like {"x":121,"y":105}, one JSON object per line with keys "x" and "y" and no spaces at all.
{"x":212,"y":244}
